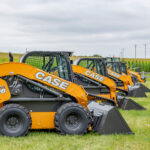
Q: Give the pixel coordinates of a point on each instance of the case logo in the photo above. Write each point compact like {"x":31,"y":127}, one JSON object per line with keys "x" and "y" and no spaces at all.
{"x":95,"y":76}
{"x":2,"y":89}
{"x":113,"y":74}
{"x":133,"y":73}
{"x":54,"y":81}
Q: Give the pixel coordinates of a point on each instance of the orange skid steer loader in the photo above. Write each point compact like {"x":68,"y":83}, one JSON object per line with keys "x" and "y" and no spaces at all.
{"x":31,"y":98}
{"x":120,"y":67}
{"x":127,"y":70}
{"x":98,"y":65}
{"x":136,"y":77}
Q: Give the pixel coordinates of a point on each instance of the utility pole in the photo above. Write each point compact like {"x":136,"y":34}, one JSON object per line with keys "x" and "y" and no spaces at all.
{"x":122,"y":53}
{"x":135,"y":50}
{"x":145,"y":49}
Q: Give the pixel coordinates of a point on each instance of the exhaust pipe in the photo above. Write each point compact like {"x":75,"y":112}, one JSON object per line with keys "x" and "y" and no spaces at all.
{"x":107,"y":119}
{"x":128,"y":104}
{"x":136,"y":91}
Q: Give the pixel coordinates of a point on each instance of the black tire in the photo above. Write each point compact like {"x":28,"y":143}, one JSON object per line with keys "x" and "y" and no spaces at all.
{"x":71,"y":118}
{"x":15,"y":120}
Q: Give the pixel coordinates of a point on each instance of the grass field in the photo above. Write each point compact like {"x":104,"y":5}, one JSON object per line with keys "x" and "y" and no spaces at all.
{"x":139,"y":122}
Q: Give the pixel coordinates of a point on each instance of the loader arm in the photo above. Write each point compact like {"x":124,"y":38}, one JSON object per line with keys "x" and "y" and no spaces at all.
{"x":119,"y":77}
{"x":135,"y":74}
{"x":32,"y":73}
{"x":97,"y":77}
{"x":100,"y":63}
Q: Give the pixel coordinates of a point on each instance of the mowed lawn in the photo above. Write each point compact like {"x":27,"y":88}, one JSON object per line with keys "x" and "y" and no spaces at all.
{"x":139,"y":122}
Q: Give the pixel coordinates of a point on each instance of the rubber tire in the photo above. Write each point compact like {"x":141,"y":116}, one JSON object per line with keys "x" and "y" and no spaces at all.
{"x":67,"y":109}
{"x":22,"y":113}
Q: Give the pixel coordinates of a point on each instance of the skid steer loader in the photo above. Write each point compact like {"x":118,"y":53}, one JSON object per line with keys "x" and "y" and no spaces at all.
{"x":135,"y":76}
{"x":120,"y":80}
{"x":31,"y":98}
{"x":95,"y":84}
{"x":101,"y":76}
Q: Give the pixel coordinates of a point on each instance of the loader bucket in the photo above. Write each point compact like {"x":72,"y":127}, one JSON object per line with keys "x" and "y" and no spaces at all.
{"x":128,"y":104}
{"x":107,"y":119}
{"x":144,"y":88}
{"x":136,"y":92}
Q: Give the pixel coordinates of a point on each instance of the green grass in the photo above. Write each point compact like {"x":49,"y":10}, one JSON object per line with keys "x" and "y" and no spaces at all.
{"x":4,"y":57}
{"x":139,"y":122}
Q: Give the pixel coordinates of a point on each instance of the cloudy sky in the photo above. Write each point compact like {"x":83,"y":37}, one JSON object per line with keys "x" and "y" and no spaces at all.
{"x":87,"y":27}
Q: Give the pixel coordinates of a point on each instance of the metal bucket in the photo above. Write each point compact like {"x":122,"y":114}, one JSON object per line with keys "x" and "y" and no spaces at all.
{"x":128,"y":104}
{"x":136,"y":91}
{"x":107,"y":119}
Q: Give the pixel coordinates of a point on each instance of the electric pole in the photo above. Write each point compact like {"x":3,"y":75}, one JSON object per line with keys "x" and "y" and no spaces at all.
{"x":135,"y":50}
{"x":145,"y":50}
{"x":122,"y":52}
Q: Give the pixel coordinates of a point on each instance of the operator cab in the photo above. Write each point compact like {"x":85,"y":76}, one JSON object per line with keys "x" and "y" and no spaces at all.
{"x":95,"y":65}
{"x":112,"y":59}
{"x":55,"y":63}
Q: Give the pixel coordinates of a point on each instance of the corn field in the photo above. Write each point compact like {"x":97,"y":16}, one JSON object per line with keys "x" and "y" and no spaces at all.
{"x":136,"y":64}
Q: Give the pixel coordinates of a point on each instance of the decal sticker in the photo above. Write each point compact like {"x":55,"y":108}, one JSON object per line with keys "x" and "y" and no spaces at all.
{"x":113,"y":74}
{"x":2,"y":89}
{"x":95,"y":76}
{"x":54,"y":81}
{"x":133,"y":73}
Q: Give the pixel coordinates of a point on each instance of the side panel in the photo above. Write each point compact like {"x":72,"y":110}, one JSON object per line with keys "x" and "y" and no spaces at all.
{"x":129,"y":78}
{"x":50,"y":80}
{"x":97,"y":77}
{"x":120,"y":77}
{"x":135,"y":74}
{"x":42,"y":120}
{"x":4,"y":91}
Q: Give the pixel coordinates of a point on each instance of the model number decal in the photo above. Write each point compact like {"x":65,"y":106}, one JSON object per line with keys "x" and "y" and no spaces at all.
{"x":133,"y":73}
{"x":54,"y":81}
{"x":95,"y":76}
{"x":2,"y":89}
{"x":113,"y":74}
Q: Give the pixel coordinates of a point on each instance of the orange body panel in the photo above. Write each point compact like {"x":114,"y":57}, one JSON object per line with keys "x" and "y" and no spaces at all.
{"x":30,"y":72}
{"x":129,"y":78}
{"x":42,"y":120}
{"x":4,"y":91}
{"x":120,"y":77}
{"x":135,"y":74}
{"x":97,"y":77}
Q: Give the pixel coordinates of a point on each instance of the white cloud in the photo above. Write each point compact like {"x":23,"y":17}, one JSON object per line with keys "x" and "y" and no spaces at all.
{"x":85,"y":27}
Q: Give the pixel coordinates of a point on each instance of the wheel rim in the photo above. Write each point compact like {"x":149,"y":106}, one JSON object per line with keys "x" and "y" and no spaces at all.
{"x":13,"y":123}
{"x":73,"y":121}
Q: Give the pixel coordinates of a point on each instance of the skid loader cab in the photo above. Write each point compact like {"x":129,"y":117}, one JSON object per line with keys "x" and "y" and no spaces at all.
{"x":100,"y":68}
{"x":112,"y":59}
{"x":98,"y":65}
{"x":116,"y":66}
{"x":133,"y":78}
{"x":56,"y":63}
{"x":122,"y":82}
{"x":135,"y":75}
{"x":124,"y":67}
